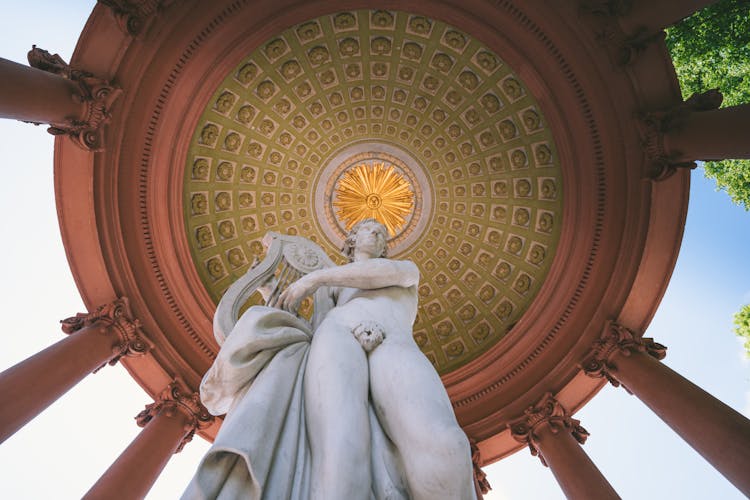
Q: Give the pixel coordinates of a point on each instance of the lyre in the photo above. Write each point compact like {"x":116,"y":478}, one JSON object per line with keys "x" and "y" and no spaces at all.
{"x":287,"y":259}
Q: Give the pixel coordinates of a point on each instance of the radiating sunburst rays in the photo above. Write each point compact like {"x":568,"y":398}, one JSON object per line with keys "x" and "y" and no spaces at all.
{"x":377,"y":191}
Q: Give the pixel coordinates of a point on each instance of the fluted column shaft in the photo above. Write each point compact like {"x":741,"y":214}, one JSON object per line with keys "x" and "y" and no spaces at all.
{"x":716,"y":431}
{"x":133,"y":474}
{"x":32,"y":385}
{"x":33,"y":95}
{"x":712,"y":135}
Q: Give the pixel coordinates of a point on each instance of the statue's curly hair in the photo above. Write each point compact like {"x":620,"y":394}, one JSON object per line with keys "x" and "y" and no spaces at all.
{"x":348,"y":249}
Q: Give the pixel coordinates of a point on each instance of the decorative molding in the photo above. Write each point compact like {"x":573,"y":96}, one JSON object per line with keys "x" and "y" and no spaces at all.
{"x":550,"y":412}
{"x":177,"y":397}
{"x":96,"y":96}
{"x":118,"y":317}
{"x":134,"y":16}
{"x":600,"y":176}
{"x":480,"y":477}
{"x":616,"y":338}
{"x":655,"y":125}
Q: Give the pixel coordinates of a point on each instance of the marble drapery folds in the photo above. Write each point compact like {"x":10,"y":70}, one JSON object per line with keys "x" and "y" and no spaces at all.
{"x":262,"y":451}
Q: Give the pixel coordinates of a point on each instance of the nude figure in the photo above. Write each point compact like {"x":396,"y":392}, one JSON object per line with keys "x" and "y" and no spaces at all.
{"x":341,"y":378}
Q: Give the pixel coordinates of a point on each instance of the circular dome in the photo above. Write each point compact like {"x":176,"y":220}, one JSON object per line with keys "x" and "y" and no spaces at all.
{"x":320,"y":105}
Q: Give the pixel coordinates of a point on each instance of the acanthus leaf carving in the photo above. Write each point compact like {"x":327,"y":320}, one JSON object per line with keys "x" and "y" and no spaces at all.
{"x":548,"y":411}
{"x":655,"y":125}
{"x":617,"y":339}
{"x":176,"y":397}
{"x":95,"y":95}
{"x":118,"y":317}
{"x":480,"y":477}
{"x":133,"y":16}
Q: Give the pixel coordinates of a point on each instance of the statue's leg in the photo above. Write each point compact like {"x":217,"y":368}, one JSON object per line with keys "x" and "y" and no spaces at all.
{"x":414,"y":409}
{"x":336,"y":399}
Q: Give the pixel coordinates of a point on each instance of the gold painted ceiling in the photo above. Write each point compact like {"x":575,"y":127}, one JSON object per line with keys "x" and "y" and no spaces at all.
{"x":371,"y":83}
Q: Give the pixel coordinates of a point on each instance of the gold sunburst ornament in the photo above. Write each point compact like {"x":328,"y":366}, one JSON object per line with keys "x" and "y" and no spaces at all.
{"x":377,"y":191}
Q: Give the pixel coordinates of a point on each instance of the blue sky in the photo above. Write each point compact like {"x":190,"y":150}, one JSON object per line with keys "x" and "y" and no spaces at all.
{"x":65,"y":450}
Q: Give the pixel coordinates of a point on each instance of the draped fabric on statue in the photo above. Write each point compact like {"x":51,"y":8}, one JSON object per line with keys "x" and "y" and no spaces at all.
{"x":262,"y":451}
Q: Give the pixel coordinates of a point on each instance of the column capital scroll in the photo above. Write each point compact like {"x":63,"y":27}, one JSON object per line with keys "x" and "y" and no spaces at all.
{"x":480,"y":477}
{"x":118,"y":317}
{"x":95,"y":95}
{"x":655,"y":125}
{"x":547,"y":411}
{"x":176,"y":397}
{"x":133,"y":16}
{"x":617,"y":339}
{"x":623,"y":48}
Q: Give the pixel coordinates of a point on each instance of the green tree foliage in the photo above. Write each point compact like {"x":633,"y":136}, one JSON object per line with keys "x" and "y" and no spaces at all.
{"x":733,"y":176}
{"x":711,"y":49}
{"x":742,"y":325}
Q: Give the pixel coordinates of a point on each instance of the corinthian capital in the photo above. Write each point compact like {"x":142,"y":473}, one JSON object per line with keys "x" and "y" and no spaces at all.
{"x":95,"y":95}
{"x":133,"y":16}
{"x":617,"y":339}
{"x":176,"y":397}
{"x":656,"y":125}
{"x":117,"y":317}
{"x":480,"y":477}
{"x":548,"y":411}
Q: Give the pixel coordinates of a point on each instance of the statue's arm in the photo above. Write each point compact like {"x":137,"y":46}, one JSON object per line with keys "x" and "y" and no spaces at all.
{"x":366,"y":275}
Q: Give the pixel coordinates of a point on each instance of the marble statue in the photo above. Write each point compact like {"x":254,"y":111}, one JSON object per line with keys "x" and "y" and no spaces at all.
{"x":344,"y":407}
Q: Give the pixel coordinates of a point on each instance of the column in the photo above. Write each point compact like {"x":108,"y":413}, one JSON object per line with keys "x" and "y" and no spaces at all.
{"x":94,"y":340}
{"x":34,"y":95}
{"x":74,"y":102}
{"x":655,"y":16}
{"x":168,"y":424}
{"x":716,"y":431}
{"x":711,"y":135}
{"x":628,"y":27}
{"x":694,"y":130}
{"x":555,"y":437}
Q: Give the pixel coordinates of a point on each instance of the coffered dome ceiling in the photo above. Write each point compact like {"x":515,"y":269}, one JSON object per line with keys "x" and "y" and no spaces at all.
{"x":393,"y":115}
{"x":500,"y":141}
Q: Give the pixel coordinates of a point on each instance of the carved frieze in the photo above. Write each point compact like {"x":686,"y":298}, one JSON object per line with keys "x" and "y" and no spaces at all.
{"x":117,"y":317}
{"x":177,"y":398}
{"x":95,"y":95}
{"x":548,"y":411}
{"x":616,"y":338}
